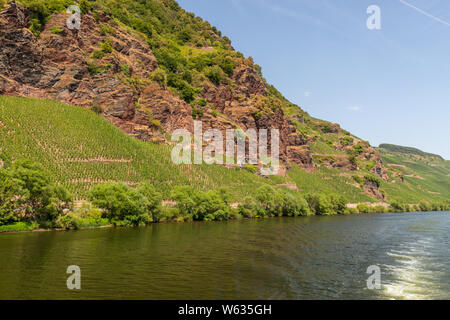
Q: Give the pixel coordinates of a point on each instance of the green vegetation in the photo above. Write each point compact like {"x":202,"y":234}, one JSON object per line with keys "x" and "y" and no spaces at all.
{"x":79,"y":149}
{"x":56,"y":30}
{"x":408,"y":151}
{"x":27,"y":194}
{"x":126,"y":179}
{"x":414,"y":178}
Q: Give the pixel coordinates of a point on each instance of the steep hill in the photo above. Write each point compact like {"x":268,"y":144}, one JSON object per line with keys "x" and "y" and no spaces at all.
{"x":149,"y":67}
{"x":415,"y":175}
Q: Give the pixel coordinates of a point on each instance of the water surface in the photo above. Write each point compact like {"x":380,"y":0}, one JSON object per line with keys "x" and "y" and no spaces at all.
{"x":283,"y":258}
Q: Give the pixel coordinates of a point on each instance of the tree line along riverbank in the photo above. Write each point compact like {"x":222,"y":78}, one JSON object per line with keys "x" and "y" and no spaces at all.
{"x":30,"y":200}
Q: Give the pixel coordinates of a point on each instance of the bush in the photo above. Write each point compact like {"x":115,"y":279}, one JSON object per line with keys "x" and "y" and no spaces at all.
{"x":320,"y":204}
{"x":106,"y":46}
{"x":124,"y":206}
{"x":363,"y":208}
{"x":35,"y":27}
{"x":275,"y":202}
{"x":98,"y":54}
{"x":202,"y":206}
{"x":125,"y":70}
{"x":93,"y":69}
{"x":153,"y":201}
{"x":247,"y":208}
{"x":214,"y":74}
{"x":160,"y":76}
{"x":379,"y":209}
{"x":19,"y":226}
{"x":56,"y":30}
{"x":28,"y":194}
{"x":85,"y":6}
{"x":87,"y":216}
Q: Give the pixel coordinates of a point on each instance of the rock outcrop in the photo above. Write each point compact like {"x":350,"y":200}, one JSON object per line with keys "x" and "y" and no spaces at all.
{"x":60,"y":65}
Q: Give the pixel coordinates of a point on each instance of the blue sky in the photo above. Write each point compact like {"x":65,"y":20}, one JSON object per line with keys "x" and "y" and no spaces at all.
{"x":390,"y":85}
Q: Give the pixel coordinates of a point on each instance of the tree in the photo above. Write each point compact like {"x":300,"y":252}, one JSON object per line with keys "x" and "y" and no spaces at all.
{"x":319,"y":204}
{"x":338,"y":202}
{"x":123,"y":205}
{"x":27,"y":193}
{"x":153,"y":204}
{"x":202,"y":206}
{"x":9,"y":204}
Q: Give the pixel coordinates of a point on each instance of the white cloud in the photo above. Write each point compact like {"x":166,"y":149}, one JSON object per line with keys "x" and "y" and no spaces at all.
{"x":307,"y":94}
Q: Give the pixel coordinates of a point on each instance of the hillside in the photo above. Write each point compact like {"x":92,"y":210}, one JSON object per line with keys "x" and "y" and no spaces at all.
{"x":149,"y":68}
{"x":415,"y":175}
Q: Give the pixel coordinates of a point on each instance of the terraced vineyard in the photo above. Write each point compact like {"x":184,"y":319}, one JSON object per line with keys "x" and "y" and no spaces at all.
{"x":81,"y":149}
{"x":414,"y":177}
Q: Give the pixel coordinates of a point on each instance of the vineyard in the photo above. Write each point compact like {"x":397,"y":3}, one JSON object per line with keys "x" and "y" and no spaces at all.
{"x":80,"y":149}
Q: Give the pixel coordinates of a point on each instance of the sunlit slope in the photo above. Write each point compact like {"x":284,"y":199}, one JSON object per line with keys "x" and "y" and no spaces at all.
{"x":80,"y":149}
{"x":415,"y":177}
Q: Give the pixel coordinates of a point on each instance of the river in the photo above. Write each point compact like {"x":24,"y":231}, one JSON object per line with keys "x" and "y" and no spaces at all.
{"x":280,"y":258}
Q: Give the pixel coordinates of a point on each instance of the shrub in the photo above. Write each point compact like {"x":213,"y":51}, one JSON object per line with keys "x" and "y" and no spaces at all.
{"x":373,"y":179}
{"x":202,"y":102}
{"x":153,"y":203}
{"x":188,"y":93}
{"x":106,"y":46}
{"x":27,"y":192}
{"x":85,"y":6}
{"x":93,"y":69}
{"x":202,"y":206}
{"x":247,"y":208}
{"x":35,"y":27}
{"x":319,"y":204}
{"x":379,"y":209}
{"x":87,"y":216}
{"x":124,"y":206}
{"x":105,"y":30}
{"x":363,"y":208}
{"x":338,"y":203}
{"x":214,"y":74}
{"x":160,"y":76}
{"x":98,"y":54}
{"x":351,"y":211}
{"x":125,"y":70}
{"x":56,"y":30}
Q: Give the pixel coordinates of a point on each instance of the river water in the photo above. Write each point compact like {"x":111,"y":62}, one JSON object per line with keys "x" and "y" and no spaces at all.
{"x":280,"y":258}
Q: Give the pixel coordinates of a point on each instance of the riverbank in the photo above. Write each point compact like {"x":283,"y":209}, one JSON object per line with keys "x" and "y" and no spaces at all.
{"x":23,"y":227}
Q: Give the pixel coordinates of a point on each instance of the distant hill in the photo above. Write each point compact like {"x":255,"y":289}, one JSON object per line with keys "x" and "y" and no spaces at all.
{"x":409,"y":151}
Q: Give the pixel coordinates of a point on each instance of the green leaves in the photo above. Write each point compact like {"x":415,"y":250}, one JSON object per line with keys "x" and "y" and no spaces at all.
{"x":27,"y":192}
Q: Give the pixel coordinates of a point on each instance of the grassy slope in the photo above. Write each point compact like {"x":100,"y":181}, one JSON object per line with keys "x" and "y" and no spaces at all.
{"x":424,"y":177}
{"x":62,"y":137}
{"x":76,"y":146}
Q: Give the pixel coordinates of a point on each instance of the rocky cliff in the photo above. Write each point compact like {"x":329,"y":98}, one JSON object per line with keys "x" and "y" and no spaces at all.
{"x":112,"y":69}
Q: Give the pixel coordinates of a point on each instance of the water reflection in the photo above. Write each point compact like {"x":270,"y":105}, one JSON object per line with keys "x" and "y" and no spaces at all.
{"x":301,"y":258}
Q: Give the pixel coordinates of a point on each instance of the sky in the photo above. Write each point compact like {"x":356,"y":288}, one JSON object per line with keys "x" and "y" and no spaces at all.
{"x":390,"y":85}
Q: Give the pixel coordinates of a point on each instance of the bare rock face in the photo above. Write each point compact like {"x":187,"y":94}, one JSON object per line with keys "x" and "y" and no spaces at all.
{"x":59,"y":66}
{"x":167,"y":108}
{"x":372,"y":189}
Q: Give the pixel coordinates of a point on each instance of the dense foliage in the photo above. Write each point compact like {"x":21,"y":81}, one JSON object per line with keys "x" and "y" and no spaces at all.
{"x":28,"y":194}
